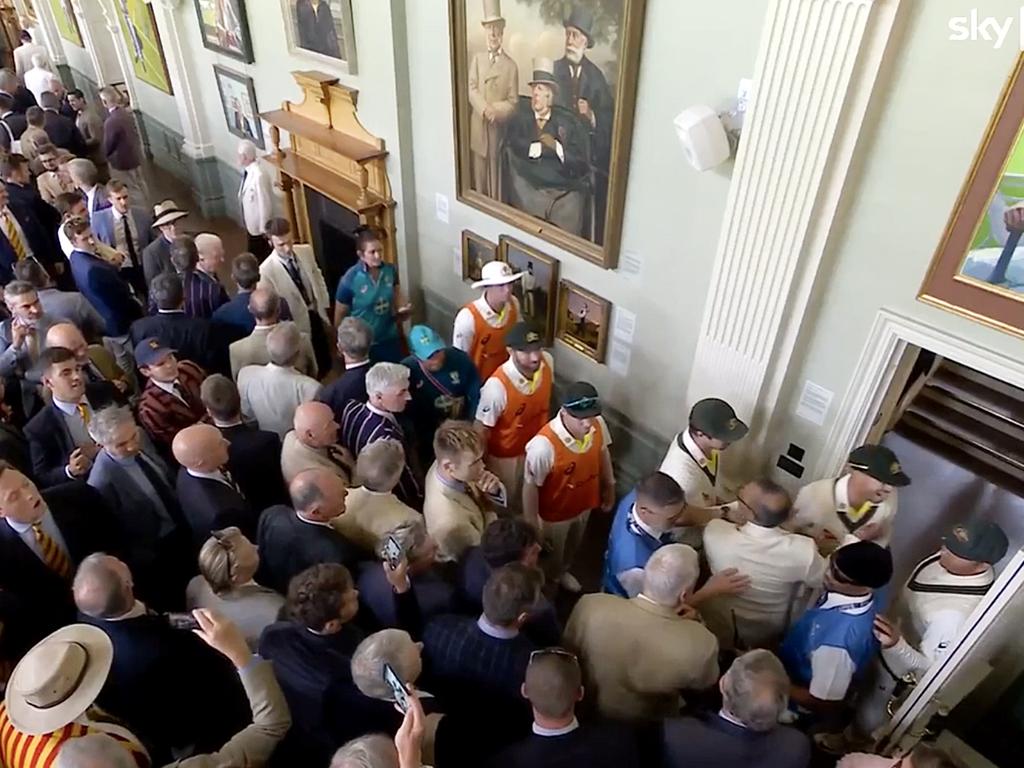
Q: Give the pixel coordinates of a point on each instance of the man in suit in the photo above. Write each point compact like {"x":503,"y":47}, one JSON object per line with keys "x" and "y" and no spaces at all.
{"x":62,"y":130}
{"x":24,"y":52}
{"x":235,"y":314}
{"x":22,"y":96}
{"x":204,"y":292}
{"x":553,"y":686}
{"x":12,"y":125}
{"x":193,"y":338}
{"x":254,"y":455}
{"x":265,"y":308}
{"x":54,"y":180}
{"x":43,"y":537}
{"x":58,"y":436}
{"x":156,"y":257}
{"x":170,"y":400}
{"x":493,"y":95}
{"x":639,"y":654}
{"x":354,"y":341}
{"x":200,"y":702}
{"x":127,"y":229}
{"x":314,"y":443}
{"x":746,"y":731}
{"x":255,"y":198}
{"x":21,"y":341}
{"x":122,"y":145}
{"x":270,"y":393}
{"x":209,"y":496}
{"x":292,"y":539}
{"x":38,"y":219}
{"x":86,"y":179}
{"x":95,"y":360}
{"x":21,"y":232}
{"x":90,"y":125}
{"x":100,"y":282}
{"x":139,"y":488}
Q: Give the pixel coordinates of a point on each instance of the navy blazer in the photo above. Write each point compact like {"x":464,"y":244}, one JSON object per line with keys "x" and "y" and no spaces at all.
{"x":38,"y":219}
{"x":210,"y":505}
{"x":49,"y":440}
{"x":23,"y":99}
{"x":288,"y":546}
{"x":103,"y":227}
{"x":596,"y":746}
{"x":254,"y":460}
{"x":711,"y":740}
{"x":45,"y":599}
{"x":101,"y":284}
{"x":63,"y":132}
{"x":194,"y":338}
{"x":377,"y":609}
{"x":236,"y":314}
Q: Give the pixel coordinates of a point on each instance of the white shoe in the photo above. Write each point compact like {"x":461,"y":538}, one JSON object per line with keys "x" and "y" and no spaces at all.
{"x":570,"y":583}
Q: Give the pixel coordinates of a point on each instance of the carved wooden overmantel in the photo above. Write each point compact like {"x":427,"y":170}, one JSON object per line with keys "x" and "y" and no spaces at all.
{"x":331,"y":152}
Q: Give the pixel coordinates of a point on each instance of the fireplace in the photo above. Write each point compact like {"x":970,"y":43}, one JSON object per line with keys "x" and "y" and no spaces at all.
{"x":332,"y":232}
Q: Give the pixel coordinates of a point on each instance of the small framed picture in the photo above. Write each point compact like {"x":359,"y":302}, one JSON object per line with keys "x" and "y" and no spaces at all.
{"x":224,"y":28}
{"x":537,"y":288}
{"x":238,"y":99}
{"x":476,"y":251}
{"x":582,"y":320}
{"x":322,"y":30}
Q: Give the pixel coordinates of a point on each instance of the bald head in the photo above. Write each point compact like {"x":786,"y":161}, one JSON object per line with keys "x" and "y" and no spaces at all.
{"x":68,"y":336}
{"x":319,"y":495}
{"x":201,"y":448}
{"x":265,"y":306}
{"x":315,"y":425}
{"x":103,"y":587}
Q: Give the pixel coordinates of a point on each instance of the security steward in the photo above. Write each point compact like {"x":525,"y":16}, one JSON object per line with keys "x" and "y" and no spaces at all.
{"x":858,"y":506}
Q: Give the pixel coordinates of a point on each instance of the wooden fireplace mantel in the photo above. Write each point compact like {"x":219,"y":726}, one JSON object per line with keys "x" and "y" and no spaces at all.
{"x":331,"y":152}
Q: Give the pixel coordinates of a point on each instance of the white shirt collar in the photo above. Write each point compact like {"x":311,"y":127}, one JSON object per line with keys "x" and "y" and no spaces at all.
{"x":729,"y":718}
{"x":360,"y":364}
{"x":311,"y":522}
{"x":21,"y":528}
{"x":265,"y":328}
{"x":216,"y":475}
{"x":567,"y":439}
{"x":520,"y":382}
{"x":498,"y":633}
{"x":225,"y":424}
{"x":71,"y":409}
{"x":137,"y":610}
{"x":853,"y":604}
{"x":693,"y":449}
{"x":542,"y":731}
{"x":170,"y":311}
{"x":642,"y":525}
{"x":540,"y":116}
{"x":117,"y":214}
{"x":487,"y":313}
{"x":386,"y":414}
{"x":168,"y":387}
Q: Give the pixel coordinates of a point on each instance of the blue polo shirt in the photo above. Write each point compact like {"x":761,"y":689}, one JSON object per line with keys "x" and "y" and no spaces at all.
{"x":372,"y":301}
{"x":629,"y":546}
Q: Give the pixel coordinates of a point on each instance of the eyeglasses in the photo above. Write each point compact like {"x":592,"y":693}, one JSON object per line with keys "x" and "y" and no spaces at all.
{"x":560,"y":652}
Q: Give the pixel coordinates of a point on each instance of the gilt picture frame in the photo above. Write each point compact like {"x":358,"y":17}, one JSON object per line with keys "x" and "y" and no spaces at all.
{"x":224,"y":27}
{"x":581,"y":320}
{"x":238,"y":100}
{"x":537,"y":289}
{"x":476,"y":251}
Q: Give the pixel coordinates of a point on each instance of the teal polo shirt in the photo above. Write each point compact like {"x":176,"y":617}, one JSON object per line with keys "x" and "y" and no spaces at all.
{"x":372,"y":301}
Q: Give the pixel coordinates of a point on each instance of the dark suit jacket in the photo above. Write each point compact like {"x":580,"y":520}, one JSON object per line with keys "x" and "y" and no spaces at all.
{"x":351,"y":385}
{"x":604,"y":746}
{"x":16,"y":122}
{"x":289,"y":546}
{"x":87,"y":526}
{"x":377,"y":609}
{"x":592,"y":86}
{"x":49,"y":440}
{"x":14,"y":449}
{"x":121,"y":142}
{"x":711,"y":740}
{"x":169,"y":687}
{"x":38,"y":219}
{"x":23,"y":99}
{"x":101,"y":284}
{"x":63,"y":132}
{"x":236,"y":314}
{"x":156,"y":257}
{"x":195,"y":338}
{"x":254,"y":459}
{"x":210,"y":505}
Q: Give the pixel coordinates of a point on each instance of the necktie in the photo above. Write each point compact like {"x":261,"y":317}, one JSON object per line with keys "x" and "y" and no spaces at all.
{"x":245,"y":175}
{"x":13,"y":235}
{"x":129,"y":243}
{"x":296,"y":275}
{"x":180,"y":392}
{"x":54,"y":557}
{"x":83,"y":411}
{"x":231,"y":481}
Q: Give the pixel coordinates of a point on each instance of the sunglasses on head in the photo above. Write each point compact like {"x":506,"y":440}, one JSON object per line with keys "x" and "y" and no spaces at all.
{"x":560,"y":652}
{"x":581,"y":403}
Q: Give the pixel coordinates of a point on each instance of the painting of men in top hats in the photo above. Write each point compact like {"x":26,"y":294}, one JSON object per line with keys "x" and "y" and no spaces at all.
{"x":544,"y":99}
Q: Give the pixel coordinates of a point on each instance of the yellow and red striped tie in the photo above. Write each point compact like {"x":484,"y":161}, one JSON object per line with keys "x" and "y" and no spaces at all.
{"x":13,"y":235}
{"x":53,"y":555}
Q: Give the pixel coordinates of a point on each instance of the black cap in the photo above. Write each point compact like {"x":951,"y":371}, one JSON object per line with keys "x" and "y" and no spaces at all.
{"x":716,"y":419}
{"x":865,"y":564}
{"x":581,"y":400}
{"x":524,"y":337}
{"x":879,"y":462}
{"x":980,"y":541}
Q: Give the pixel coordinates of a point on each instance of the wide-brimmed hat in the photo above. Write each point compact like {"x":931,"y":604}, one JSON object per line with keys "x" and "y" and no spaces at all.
{"x":496,"y":273}
{"x":543,"y":73}
{"x":167,"y":212}
{"x":583,"y":20}
{"x":58,"y":679}
{"x":492,"y":12}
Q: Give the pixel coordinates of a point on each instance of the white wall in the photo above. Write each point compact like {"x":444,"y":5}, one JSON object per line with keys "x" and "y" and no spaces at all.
{"x":929,"y":114}
{"x":692,"y":53}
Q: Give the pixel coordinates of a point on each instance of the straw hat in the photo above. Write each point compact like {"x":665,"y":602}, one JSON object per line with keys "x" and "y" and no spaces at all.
{"x":496,"y":273}
{"x":58,"y":679}
{"x":167,"y":212}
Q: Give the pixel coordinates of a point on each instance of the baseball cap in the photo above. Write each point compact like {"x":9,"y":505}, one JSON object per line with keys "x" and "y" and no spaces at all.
{"x":981,"y":541}
{"x":581,"y":400}
{"x":150,"y":351}
{"x":524,"y":337}
{"x":425,"y":341}
{"x":717,"y":419}
{"x":879,"y":462}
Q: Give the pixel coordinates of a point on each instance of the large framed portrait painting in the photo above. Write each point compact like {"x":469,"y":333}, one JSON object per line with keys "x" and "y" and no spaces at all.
{"x":544,"y":97}
{"x":978,"y":270}
{"x":225,"y":28}
{"x":323,"y":29}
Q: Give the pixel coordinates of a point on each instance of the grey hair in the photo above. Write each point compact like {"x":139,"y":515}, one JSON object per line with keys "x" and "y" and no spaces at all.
{"x":95,"y":576}
{"x":410,"y":536}
{"x":373,"y":751}
{"x":385,"y":376}
{"x":94,"y":749}
{"x":38,"y":59}
{"x":755,"y":690}
{"x":247,"y":149}
{"x":355,"y":337}
{"x":284,"y":344}
{"x":104,"y":422}
{"x":388,"y":646}
{"x":17,"y":288}
{"x":379,"y":465}
{"x":670,"y":571}
{"x":83,"y":170}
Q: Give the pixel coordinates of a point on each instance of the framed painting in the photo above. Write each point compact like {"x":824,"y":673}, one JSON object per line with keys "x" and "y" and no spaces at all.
{"x":30,"y":11}
{"x":323,"y":29}
{"x":537,"y":288}
{"x":978,"y":269}
{"x":67,"y":22}
{"x":476,"y":251}
{"x":544,"y":95}
{"x":138,"y":26}
{"x":581,"y":320}
{"x":238,"y":100}
{"x":225,"y":28}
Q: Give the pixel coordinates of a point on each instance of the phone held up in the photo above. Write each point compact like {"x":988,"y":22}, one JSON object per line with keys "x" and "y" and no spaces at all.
{"x":184,"y":621}
{"x":398,"y":690}
{"x":392,"y":552}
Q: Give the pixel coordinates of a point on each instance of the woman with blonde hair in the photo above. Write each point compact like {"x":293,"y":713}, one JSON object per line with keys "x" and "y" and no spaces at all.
{"x":227,"y":565}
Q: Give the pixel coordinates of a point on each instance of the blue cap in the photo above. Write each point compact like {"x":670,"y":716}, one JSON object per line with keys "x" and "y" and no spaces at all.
{"x":424,"y":341}
{"x":150,"y":351}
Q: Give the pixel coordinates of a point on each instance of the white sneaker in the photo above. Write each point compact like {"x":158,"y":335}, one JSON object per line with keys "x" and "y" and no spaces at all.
{"x":570,"y":583}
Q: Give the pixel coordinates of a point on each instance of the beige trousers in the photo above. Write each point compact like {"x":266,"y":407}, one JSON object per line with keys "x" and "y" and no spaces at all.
{"x":562,"y":540}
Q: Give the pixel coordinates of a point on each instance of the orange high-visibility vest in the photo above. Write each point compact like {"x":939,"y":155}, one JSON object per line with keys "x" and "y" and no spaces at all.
{"x":573,"y":486}
{"x":489,"y":350}
{"x":523,"y":416}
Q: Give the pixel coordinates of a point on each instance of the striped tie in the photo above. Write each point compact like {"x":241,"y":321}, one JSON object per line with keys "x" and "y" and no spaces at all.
{"x":13,"y":235}
{"x":53,"y":555}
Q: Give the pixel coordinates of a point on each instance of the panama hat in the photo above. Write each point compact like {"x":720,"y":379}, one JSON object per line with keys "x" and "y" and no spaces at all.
{"x":167,"y":212}
{"x":58,"y":679}
{"x":496,"y":273}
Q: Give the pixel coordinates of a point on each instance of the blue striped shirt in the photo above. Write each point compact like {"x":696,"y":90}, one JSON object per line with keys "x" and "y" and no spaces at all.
{"x":203,"y":294}
{"x":361,"y":426}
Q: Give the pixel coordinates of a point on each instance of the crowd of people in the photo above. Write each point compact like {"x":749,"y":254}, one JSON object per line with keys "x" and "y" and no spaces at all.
{"x":243,"y":526}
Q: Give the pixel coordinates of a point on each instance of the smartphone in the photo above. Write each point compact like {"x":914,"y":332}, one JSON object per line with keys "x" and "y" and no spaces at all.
{"x":499,"y":495}
{"x":392,"y":552}
{"x":398,"y":689}
{"x":185,"y":621}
